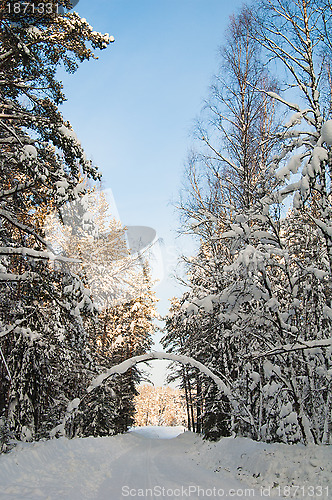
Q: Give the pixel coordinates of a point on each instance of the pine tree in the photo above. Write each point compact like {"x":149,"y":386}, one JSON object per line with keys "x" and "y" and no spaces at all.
{"x":41,"y":163}
{"x":123,"y":325}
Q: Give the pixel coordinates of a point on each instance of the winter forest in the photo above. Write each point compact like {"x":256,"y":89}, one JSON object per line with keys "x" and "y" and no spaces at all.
{"x":255,"y":311}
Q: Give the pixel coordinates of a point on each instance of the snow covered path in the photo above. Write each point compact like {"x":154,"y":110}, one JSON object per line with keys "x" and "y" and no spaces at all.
{"x":153,"y":463}
{"x":109,"y":468}
{"x":164,"y":467}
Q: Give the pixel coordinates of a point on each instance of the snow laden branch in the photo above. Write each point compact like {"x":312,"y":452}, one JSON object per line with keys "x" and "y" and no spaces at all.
{"x":290,"y":105}
{"x":36,"y":254}
{"x":185,"y":360}
{"x":301,"y":345}
{"x":123,"y":367}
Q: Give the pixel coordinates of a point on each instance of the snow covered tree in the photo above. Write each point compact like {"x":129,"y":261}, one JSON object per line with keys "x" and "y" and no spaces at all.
{"x":194,"y":329}
{"x":125,"y":330}
{"x":227,"y":174}
{"x":41,"y":162}
{"x":121,"y":291}
{"x":280,"y":293}
{"x":272,"y":303}
{"x":236,"y":130}
{"x":297,"y":34}
{"x":177,"y":340}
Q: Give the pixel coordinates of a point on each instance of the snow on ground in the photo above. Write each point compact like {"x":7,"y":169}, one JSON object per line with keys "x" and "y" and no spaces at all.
{"x":277,"y":468}
{"x":152,"y":463}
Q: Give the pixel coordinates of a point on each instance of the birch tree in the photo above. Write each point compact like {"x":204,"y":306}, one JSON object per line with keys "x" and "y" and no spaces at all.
{"x":273,"y":299}
{"x":227,"y":173}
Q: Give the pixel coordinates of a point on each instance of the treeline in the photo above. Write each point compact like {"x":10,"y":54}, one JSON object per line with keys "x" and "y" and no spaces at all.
{"x":160,"y":406}
{"x":258,"y":198}
{"x":73,"y":301}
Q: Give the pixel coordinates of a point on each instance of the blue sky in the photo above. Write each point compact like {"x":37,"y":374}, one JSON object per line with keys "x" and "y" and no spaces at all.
{"x":134,"y":108}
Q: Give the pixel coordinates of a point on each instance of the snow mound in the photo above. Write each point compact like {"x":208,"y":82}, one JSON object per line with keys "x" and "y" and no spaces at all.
{"x":59,"y":468}
{"x":275,"y":466}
